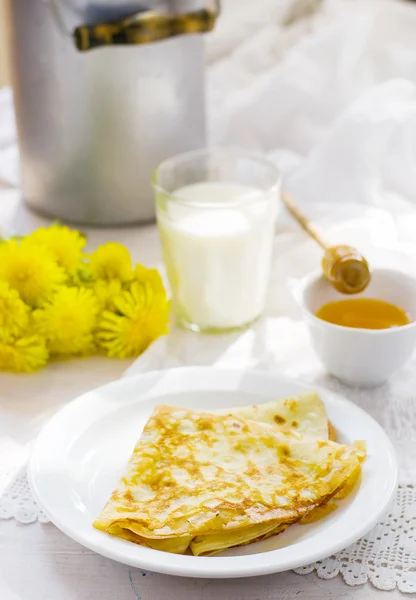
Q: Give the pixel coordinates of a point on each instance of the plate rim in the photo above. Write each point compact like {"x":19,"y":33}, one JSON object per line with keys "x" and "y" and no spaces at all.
{"x":208,"y":567}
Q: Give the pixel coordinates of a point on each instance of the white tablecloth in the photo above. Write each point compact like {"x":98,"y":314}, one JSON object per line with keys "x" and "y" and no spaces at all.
{"x":38,"y":562}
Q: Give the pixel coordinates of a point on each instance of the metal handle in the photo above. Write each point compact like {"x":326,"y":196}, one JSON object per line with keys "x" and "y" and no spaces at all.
{"x":145,"y":27}
{"x":140,"y":28}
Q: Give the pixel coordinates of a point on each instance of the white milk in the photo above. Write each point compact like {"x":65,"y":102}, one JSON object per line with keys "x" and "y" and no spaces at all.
{"x":218,"y":259}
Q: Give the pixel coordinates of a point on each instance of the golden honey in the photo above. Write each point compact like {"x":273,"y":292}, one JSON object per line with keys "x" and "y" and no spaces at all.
{"x":363,"y":313}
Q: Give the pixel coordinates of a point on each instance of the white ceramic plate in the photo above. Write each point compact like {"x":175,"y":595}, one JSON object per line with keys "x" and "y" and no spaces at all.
{"x":81,"y":453}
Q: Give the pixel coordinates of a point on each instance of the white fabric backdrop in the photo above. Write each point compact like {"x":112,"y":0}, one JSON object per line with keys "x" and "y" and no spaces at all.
{"x":333,"y":97}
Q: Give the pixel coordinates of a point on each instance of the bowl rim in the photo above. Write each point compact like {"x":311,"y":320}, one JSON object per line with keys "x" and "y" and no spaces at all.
{"x":311,"y":278}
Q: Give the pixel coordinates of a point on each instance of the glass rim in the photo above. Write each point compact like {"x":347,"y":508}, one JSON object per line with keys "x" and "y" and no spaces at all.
{"x":245,"y":200}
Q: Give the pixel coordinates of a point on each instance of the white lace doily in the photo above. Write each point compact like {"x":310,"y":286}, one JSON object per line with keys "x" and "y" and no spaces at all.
{"x":17,"y":502}
{"x":386,"y":556}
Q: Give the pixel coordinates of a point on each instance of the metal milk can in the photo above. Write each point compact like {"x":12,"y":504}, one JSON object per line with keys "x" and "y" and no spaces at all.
{"x":104,"y":90}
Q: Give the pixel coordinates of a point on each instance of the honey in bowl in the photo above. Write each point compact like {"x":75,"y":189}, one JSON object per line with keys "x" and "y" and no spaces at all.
{"x":363,"y":313}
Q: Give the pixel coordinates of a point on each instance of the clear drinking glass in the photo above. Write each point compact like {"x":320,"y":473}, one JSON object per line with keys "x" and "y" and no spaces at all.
{"x":216,"y":211}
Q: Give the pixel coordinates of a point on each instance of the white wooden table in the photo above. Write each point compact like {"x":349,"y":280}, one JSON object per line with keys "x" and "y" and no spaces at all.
{"x":37,"y":561}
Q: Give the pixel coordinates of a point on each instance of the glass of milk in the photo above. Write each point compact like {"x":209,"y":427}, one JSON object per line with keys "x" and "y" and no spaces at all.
{"x":216,"y":211}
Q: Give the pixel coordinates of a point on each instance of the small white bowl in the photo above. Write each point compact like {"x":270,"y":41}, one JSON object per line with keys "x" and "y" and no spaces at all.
{"x":361,"y":357}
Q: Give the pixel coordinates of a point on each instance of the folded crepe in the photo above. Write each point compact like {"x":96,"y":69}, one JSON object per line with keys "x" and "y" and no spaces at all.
{"x":303,"y":414}
{"x":207,"y":482}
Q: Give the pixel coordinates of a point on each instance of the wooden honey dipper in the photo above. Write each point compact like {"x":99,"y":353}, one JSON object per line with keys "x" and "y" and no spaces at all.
{"x":343,"y":266}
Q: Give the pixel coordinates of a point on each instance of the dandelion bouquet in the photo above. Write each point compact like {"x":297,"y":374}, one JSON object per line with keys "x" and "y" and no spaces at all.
{"x":57,"y":301}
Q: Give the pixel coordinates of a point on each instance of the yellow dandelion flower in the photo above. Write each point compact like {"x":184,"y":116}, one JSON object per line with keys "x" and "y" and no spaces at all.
{"x":64,"y":244}
{"x":67,"y":321}
{"x":83,"y":275}
{"x":25,"y":355}
{"x":14,"y":314}
{"x":142,"y":274}
{"x":31,"y":272}
{"x":106,"y":292}
{"x":111,"y":261}
{"x":141,"y":316}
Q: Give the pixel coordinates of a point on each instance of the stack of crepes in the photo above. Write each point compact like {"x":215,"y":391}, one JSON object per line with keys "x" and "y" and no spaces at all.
{"x":202,"y":482}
